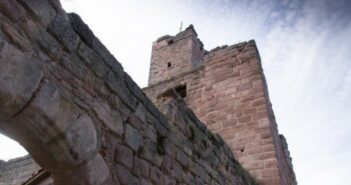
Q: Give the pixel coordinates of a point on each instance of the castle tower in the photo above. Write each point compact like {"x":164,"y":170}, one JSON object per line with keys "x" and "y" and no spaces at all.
{"x":226,"y":89}
{"x":172,"y":56}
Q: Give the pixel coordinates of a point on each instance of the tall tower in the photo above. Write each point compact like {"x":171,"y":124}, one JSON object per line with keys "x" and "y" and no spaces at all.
{"x":172,"y":56}
{"x":226,"y":89}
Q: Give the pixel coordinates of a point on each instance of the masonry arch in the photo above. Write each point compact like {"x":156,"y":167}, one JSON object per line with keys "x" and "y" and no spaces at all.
{"x":58,"y":134}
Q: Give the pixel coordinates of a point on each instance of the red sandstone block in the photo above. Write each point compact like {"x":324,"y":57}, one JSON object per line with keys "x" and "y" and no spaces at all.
{"x":271,"y":172}
{"x":255,"y":165}
{"x":229,"y":123}
{"x":250,"y":111}
{"x":259,"y":94}
{"x":245,"y":86}
{"x":263,"y":123}
{"x":253,"y":61}
{"x":257,"y":82}
{"x":247,"y":99}
{"x":267,"y":155}
{"x":266,"y":141}
{"x":244,"y":119}
{"x":242,"y":106}
{"x":271,"y":163}
{"x":258,"y":102}
{"x":267,"y":148}
{"x":271,"y":180}
{"x":242,"y":65}
{"x":256,"y":77}
{"x":230,"y":90}
{"x":260,"y":115}
{"x":266,"y":134}
{"x":252,"y":151}
{"x":227,"y":133}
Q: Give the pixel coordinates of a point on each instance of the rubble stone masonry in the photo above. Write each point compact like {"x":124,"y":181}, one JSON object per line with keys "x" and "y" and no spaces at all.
{"x":67,"y":100}
{"x":228,"y":92}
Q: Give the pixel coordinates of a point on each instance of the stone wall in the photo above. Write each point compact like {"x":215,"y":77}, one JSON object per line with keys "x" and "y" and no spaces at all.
{"x":18,"y":171}
{"x":229,"y":94}
{"x":67,"y":100}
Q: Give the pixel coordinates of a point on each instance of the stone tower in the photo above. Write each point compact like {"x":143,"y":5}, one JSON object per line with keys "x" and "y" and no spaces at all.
{"x":226,"y":89}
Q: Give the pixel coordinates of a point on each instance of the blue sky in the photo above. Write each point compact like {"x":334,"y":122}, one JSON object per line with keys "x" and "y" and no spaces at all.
{"x":305,"y":51}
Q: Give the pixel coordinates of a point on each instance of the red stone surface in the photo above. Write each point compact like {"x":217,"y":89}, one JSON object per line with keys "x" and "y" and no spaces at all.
{"x":228,"y":92}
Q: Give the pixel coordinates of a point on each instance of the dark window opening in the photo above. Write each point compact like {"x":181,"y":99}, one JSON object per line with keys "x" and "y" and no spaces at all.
{"x":181,"y":90}
{"x":169,"y":64}
{"x":170,"y":42}
{"x":175,"y":92}
{"x":242,"y":150}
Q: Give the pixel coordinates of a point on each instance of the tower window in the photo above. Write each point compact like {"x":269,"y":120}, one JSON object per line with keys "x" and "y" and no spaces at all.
{"x":181,"y":90}
{"x":169,"y":64}
{"x":170,"y":42}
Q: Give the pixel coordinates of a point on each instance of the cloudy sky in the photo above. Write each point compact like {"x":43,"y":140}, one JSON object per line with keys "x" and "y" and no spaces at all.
{"x":305,"y":48}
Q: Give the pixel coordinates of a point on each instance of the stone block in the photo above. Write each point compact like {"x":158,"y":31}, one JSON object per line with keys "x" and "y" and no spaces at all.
{"x":125,"y":177}
{"x":132,"y":137}
{"x":97,"y":170}
{"x":12,"y":10}
{"x":48,"y":43}
{"x":149,"y":153}
{"x":183,"y":159}
{"x":92,"y":60}
{"x":94,"y":171}
{"x":124,"y":156}
{"x":81,"y":137}
{"x":19,"y":79}
{"x":156,"y":175}
{"x":117,"y":86}
{"x":189,"y":178}
{"x":61,"y":29}
{"x":169,"y":180}
{"x":15,"y":37}
{"x":41,"y":10}
{"x":141,"y":167}
{"x":111,"y":118}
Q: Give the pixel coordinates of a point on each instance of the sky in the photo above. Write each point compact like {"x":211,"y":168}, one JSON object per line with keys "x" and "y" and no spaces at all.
{"x":305,"y":51}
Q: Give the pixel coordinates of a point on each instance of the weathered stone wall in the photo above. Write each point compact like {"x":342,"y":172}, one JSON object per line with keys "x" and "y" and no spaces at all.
{"x":67,"y":100}
{"x":229,"y":93}
{"x":18,"y":171}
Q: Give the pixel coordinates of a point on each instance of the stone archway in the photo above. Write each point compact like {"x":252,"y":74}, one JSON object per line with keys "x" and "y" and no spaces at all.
{"x":37,"y":109}
{"x":55,"y":131}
